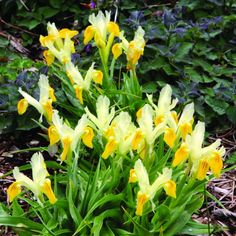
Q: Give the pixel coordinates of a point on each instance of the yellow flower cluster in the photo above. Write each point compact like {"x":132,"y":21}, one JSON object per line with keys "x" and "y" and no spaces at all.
{"x":123,"y":136}
{"x":61,"y":46}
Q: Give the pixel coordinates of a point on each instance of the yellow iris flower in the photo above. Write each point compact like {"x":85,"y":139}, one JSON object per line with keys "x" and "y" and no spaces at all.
{"x":105,"y":114}
{"x":133,"y":49}
{"x":59,"y":44}
{"x":69,"y":137}
{"x":99,"y":29}
{"x":120,"y":135}
{"x":201,"y":158}
{"x":46,"y":97}
{"x":39,"y":185}
{"x":147,"y":133}
{"x":165,"y":115}
{"x":80,"y":84}
{"x":147,"y":191}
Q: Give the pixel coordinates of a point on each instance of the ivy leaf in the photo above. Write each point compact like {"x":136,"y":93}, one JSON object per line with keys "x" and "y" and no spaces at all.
{"x":183,"y":50}
{"x":219,"y":106}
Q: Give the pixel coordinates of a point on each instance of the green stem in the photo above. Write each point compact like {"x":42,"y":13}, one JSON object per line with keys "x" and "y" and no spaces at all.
{"x":106,"y":81}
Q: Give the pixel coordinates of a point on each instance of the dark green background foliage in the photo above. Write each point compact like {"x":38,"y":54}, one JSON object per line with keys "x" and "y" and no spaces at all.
{"x":190,"y":45}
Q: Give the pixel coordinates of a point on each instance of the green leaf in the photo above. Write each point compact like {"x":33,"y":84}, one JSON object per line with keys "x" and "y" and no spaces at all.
{"x":150,"y":87}
{"x":21,"y":222}
{"x":30,"y":24}
{"x":231,"y":159}
{"x":195,"y":228}
{"x":219,"y":106}
{"x":182,"y":51}
{"x":47,"y":12}
{"x":98,"y":220}
{"x":17,"y":210}
{"x":203,"y":63}
{"x":56,"y":3}
{"x":193,"y":74}
{"x":231,"y":114}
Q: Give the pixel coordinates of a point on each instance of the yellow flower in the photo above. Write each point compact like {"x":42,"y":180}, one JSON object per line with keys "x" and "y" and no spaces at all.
{"x":148,"y":191}
{"x":39,"y":185}
{"x":133,"y":49}
{"x":69,"y":137}
{"x":147,"y":133}
{"x":123,"y":132}
{"x":201,"y":158}
{"x":186,"y":120}
{"x":99,"y":28}
{"x":46,"y":97}
{"x":59,"y":44}
{"x":105,"y":114}
{"x":163,"y":110}
{"x":80,"y":83}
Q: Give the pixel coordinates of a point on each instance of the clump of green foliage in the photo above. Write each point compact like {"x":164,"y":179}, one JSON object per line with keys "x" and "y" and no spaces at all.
{"x":123,"y":163}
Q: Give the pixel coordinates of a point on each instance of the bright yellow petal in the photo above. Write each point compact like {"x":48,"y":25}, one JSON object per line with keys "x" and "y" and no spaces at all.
{"x":41,"y":40}
{"x":51,"y":94}
{"x":99,"y":41}
{"x":175,"y":116}
{"x":158,"y":119}
{"x":109,"y":148}
{"x":53,"y":135}
{"x":170,"y":137}
{"x":170,"y":188}
{"x":47,"y":190}
{"x":132,"y":176}
{"x":185,"y":129}
{"x":139,"y":113}
{"x":112,"y":27}
{"x":44,"y":40}
{"x":70,"y":77}
{"x":47,"y":106}
{"x":22,"y":106}
{"x":142,"y":198}
{"x":181,"y":154}
{"x":202,"y":170}
{"x":49,"y":57}
{"x":143,"y":151}
{"x":66,"y":142}
{"x":216,"y":164}
{"x":88,"y":34}
{"x":97,"y":76}
{"x":138,"y":137}
{"x":87,"y":137}
{"x":63,"y":33}
{"x":13,"y":190}
{"x":116,"y":50}
{"x":79,"y":93}
{"x":109,"y":132}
